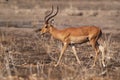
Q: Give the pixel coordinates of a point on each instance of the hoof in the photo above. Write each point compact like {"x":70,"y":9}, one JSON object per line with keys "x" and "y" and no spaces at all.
{"x":56,"y":65}
{"x":79,"y":62}
{"x":104,"y":65}
{"x":92,"y":66}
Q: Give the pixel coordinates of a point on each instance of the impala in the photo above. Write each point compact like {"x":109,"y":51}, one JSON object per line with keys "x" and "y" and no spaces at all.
{"x":74,"y":35}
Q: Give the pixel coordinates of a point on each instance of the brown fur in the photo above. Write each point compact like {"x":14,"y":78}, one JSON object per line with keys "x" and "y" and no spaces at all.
{"x":73,"y":35}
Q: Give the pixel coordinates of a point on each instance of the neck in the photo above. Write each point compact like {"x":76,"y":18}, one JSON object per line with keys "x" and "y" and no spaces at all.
{"x":54,"y":32}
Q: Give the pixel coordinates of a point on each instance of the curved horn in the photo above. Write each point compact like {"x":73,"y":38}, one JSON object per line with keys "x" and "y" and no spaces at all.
{"x":45,"y":19}
{"x":52,"y":15}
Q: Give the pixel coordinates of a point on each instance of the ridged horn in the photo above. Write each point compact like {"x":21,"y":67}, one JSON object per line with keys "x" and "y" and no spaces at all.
{"x":52,"y":15}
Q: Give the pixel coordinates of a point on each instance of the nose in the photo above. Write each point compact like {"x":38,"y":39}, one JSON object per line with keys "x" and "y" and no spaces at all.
{"x":37,"y":30}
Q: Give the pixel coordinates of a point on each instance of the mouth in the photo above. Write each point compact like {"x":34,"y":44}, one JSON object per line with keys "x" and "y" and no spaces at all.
{"x":41,"y":33}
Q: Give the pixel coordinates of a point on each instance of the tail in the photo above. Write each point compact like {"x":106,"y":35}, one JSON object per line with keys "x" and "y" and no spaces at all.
{"x":99,"y":37}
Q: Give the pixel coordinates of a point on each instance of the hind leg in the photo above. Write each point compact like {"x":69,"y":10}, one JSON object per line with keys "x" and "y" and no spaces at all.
{"x":95,"y":46}
{"x":101,"y":48}
{"x":75,"y":53}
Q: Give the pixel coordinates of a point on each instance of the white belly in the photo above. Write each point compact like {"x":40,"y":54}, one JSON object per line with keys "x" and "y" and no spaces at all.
{"x":79,"y":39}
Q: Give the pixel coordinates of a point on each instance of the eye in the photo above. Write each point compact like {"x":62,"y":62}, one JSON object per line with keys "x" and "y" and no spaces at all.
{"x":46,"y":26}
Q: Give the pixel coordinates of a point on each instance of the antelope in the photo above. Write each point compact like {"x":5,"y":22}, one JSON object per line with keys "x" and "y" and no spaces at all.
{"x":72,"y":36}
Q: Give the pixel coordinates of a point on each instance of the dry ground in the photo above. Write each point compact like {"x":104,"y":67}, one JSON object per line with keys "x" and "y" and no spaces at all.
{"x":26,"y":55}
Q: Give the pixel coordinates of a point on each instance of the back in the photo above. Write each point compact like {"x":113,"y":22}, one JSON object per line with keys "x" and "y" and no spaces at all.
{"x":82,"y":31}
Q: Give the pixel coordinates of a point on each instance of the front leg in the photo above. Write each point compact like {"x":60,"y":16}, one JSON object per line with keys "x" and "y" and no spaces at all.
{"x":63,"y":50}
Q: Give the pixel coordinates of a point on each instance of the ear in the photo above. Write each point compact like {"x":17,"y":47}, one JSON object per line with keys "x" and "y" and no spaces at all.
{"x":52,"y":21}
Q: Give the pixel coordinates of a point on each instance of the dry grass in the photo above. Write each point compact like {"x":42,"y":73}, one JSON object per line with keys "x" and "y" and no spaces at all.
{"x":26,"y":55}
